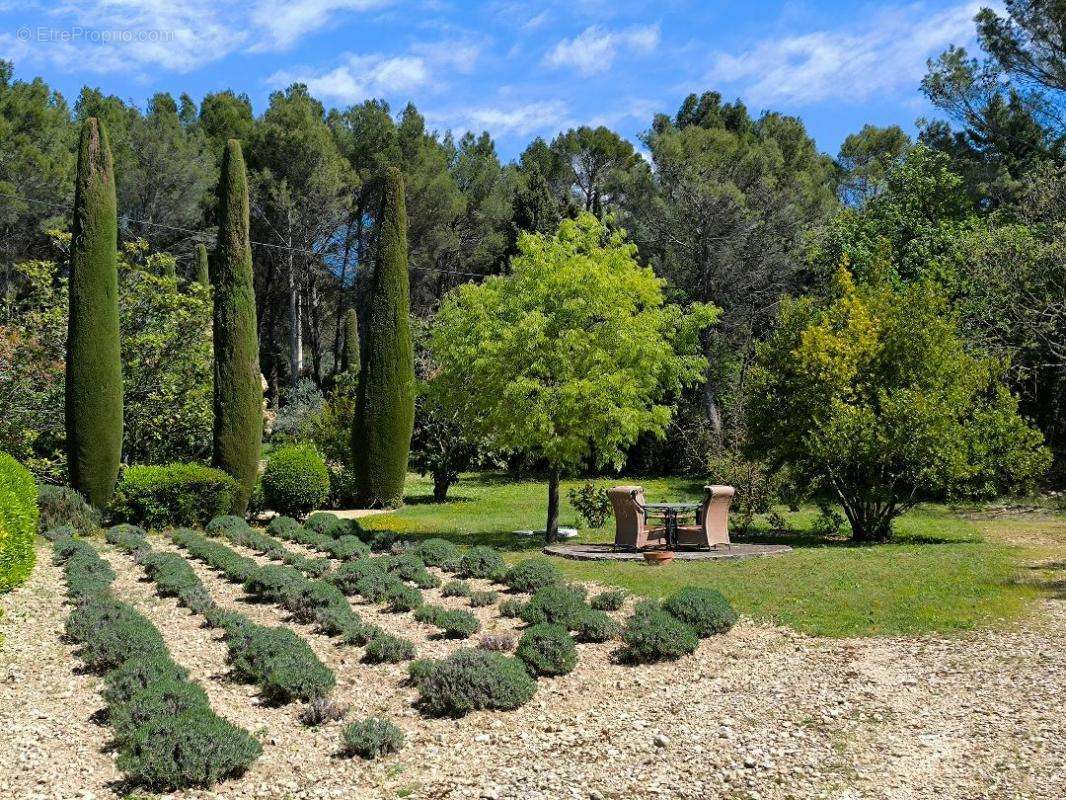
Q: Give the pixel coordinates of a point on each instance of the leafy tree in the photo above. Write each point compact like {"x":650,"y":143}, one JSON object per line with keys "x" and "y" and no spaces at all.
{"x":94,"y":362}
{"x":381,"y":438}
{"x":600,"y":167}
{"x":203,"y":270}
{"x":865,"y":159}
{"x":570,"y":356}
{"x":238,"y":430}
{"x":872,"y":394}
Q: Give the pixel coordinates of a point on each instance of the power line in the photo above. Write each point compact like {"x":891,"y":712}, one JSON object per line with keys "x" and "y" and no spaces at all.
{"x":193,"y":232}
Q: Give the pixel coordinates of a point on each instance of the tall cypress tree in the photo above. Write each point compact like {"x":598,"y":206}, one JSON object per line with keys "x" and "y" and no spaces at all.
{"x":385,"y":404}
{"x":238,"y":385}
{"x":350,"y":362}
{"x":203,"y":276}
{"x":94,"y":364}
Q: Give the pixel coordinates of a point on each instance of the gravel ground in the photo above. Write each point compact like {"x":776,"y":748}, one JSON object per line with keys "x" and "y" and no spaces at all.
{"x":761,"y":712}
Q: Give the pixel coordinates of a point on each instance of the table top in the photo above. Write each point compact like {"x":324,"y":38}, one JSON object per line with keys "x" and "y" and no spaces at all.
{"x":672,"y":506}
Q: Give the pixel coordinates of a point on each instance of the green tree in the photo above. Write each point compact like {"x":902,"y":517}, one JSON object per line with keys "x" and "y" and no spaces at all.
{"x":872,"y":395}
{"x":238,"y":431}
{"x":94,"y":364}
{"x":203,"y":270}
{"x":865,"y":159}
{"x":569,"y":357}
{"x":351,"y":361}
{"x":381,"y":438}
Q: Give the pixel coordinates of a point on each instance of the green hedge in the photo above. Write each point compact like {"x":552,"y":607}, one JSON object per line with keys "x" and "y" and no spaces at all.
{"x":18,"y":522}
{"x":172,"y":495}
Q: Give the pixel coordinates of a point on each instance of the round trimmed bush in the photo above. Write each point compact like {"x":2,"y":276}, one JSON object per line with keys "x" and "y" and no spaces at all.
{"x":371,"y":738}
{"x":481,"y":562}
{"x":532,"y":574}
{"x":548,"y":650}
{"x":596,"y":626}
{"x":18,"y":522}
{"x":706,"y":611}
{"x":563,"y":605}
{"x":653,"y":634}
{"x":172,"y":495}
{"x":295,"y":481}
{"x":469,"y":680}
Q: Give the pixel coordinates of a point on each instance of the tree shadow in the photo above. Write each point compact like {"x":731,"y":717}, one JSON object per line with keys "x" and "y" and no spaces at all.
{"x":807,"y":539}
{"x":1052,"y":580}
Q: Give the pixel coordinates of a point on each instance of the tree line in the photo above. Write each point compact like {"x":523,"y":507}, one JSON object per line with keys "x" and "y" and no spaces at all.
{"x":729,"y":207}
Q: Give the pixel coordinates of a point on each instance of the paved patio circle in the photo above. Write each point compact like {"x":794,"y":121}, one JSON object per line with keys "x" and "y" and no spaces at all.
{"x":606,"y":552}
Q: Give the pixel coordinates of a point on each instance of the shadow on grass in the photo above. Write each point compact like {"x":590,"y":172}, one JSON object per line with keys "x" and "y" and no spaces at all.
{"x":1052,"y":578}
{"x":803,"y":539}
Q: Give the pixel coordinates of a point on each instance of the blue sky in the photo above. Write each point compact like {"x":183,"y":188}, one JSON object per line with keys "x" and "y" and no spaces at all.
{"x":516,"y":69}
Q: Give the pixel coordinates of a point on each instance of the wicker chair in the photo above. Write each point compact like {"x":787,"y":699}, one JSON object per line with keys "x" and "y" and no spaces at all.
{"x":631,"y":529}
{"x":713,"y":531}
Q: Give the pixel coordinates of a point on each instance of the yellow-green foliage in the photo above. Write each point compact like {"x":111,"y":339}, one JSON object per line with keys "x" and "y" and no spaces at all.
{"x":18,"y":522}
{"x":94,"y":366}
{"x":238,"y":384}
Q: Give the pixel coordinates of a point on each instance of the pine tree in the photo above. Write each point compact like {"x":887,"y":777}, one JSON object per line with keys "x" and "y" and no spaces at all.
{"x":350,"y":357}
{"x":238,"y":385}
{"x":381,"y":438}
{"x":94,"y":365}
{"x":202,"y":270}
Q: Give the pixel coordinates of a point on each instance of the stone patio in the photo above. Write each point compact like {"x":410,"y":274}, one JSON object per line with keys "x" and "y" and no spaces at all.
{"x":606,"y":552}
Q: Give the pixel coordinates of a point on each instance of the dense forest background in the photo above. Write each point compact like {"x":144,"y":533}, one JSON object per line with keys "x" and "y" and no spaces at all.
{"x":727,"y":206}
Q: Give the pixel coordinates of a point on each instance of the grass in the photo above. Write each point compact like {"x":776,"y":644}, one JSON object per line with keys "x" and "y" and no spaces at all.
{"x":944,"y":571}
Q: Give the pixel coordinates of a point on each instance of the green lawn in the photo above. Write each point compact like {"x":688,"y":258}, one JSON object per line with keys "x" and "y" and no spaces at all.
{"x":943,"y":572}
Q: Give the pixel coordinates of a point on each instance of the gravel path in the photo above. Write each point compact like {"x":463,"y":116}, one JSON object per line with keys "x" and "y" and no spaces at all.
{"x":762,"y":712}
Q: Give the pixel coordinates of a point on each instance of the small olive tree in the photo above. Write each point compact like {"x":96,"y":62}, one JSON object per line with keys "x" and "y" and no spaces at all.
{"x":569,"y":357}
{"x":872,"y":395}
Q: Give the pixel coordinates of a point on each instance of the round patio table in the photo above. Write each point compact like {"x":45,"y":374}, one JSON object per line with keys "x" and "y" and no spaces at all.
{"x":668,"y":512}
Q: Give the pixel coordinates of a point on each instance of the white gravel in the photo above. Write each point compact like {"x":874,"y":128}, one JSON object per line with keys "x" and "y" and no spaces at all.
{"x":761,"y":712}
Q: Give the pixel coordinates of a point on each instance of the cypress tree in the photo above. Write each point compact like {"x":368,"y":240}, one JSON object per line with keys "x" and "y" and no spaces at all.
{"x":385,"y":406}
{"x":350,"y":357}
{"x":238,"y":386}
{"x":202,"y":275}
{"x":94,"y":364}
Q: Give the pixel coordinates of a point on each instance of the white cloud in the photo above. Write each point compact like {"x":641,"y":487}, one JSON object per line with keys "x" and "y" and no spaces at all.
{"x":284,"y":22}
{"x":462,"y":56}
{"x":535,"y":22}
{"x":886,"y":54}
{"x":596,"y":48}
{"x":541,"y":117}
{"x":360,"y":77}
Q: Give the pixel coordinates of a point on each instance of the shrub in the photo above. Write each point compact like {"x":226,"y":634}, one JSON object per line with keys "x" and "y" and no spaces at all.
{"x":347,"y":575}
{"x":371,"y":738}
{"x":609,"y":600}
{"x":61,"y":505}
{"x":547,"y":650}
{"x":171,"y":573}
{"x":375,"y":586}
{"x":322,"y":710}
{"x":456,"y":589}
{"x":135,"y":675}
{"x":532,"y":574}
{"x":457,"y":624}
{"x":295,"y":480}
{"x":129,"y":538}
{"x":87,"y":574}
{"x":318,"y":601}
{"x":18,"y":522}
{"x":174,"y":494}
{"x":469,"y":680}
{"x":592,"y":503}
{"x":164,"y":698}
{"x":111,"y":632}
{"x":386,"y":649}
{"x":438,"y":553}
{"x":401,"y":597}
{"x":481,"y":562}
{"x":512,"y":607}
{"x":429,"y":613}
{"x":563,"y":605}
{"x":418,"y":669}
{"x":275,"y":583}
{"x":282,"y":526}
{"x":481,"y":599}
{"x":706,"y":611}
{"x":195,"y":748}
{"x":344,"y":548}
{"x":234,"y":566}
{"x":497,"y":642}
{"x":227,"y":525}
{"x":596,"y":626}
{"x":328,"y":524}
{"x":278,"y":660}
{"x":653,"y":634}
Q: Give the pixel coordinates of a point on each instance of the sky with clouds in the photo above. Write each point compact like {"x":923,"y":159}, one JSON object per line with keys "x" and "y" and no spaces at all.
{"x":517,"y":69}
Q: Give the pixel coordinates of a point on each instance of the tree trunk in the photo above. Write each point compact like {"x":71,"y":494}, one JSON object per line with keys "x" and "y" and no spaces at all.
{"x":441,"y":483}
{"x":551,"y":530}
{"x":296,"y":356}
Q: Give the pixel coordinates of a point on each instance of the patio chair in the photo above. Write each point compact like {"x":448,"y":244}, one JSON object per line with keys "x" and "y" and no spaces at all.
{"x":714,"y":527}
{"x":631,"y":529}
